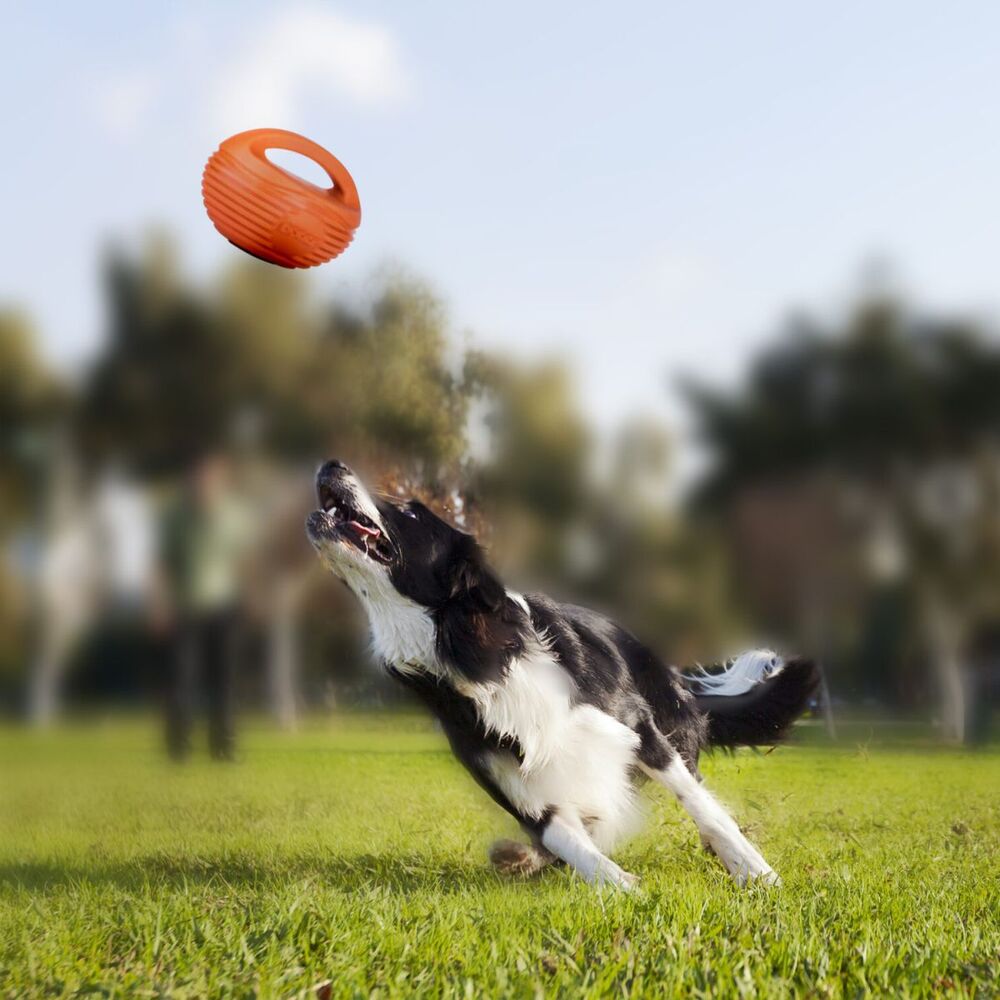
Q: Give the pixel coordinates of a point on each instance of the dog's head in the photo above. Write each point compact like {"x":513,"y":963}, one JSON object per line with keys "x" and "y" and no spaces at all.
{"x":364,"y":538}
{"x":378,"y":545}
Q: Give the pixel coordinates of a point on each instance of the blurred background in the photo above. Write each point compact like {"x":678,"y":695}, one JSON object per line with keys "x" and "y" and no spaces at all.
{"x":690,"y":314}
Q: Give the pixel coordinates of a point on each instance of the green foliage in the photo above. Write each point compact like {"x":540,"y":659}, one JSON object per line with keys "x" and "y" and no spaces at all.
{"x":532,"y":473}
{"x":539,"y":444}
{"x":858,"y":469}
{"x":394,"y":377}
{"x":254,"y":361}
{"x":164,"y":387}
{"x":355,"y":852}
{"x":31,"y":400}
{"x":882,"y":389}
{"x":258,"y":362}
{"x":33,"y":405}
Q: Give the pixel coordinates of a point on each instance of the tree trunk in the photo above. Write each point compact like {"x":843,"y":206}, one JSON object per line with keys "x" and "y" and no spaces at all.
{"x":283,"y":649}
{"x":945,"y":642}
{"x":813,"y":626}
{"x":827,"y":707}
{"x":63,"y":598}
{"x":46,"y":677}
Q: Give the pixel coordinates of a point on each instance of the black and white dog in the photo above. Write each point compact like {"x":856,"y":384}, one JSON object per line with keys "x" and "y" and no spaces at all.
{"x":555,"y":710}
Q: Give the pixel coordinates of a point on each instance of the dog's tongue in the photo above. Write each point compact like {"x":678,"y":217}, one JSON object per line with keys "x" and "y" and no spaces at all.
{"x":363,"y":530}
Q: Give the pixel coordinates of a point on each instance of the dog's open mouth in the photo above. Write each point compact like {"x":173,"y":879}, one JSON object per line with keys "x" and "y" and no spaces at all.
{"x":338,"y":519}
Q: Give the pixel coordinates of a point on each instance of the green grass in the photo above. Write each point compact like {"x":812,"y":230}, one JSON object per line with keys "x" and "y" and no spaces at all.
{"x":355,"y":852}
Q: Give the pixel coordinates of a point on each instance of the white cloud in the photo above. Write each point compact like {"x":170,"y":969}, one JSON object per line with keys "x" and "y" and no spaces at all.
{"x":302,"y":51}
{"x":120,"y":104}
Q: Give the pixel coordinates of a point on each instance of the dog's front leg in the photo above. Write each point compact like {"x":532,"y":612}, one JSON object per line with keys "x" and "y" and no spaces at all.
{"x":718,"y":830}
{"x":566,"y":838}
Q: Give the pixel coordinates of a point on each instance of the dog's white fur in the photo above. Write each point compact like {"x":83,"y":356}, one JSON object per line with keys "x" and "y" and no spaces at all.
{"x":567,"y":839}
{"x":746,"y":671}
{"x":402,"y":632}
{"x":576,"y":757}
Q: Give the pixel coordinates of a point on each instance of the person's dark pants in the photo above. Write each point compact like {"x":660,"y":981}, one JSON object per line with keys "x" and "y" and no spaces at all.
{"x":204,"y":656}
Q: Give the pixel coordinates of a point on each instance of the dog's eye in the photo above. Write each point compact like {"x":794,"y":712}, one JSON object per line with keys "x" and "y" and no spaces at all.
{"x":409,"y":513}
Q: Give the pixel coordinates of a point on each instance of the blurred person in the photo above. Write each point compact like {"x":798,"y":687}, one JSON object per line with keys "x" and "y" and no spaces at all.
{"x":204,"y":542}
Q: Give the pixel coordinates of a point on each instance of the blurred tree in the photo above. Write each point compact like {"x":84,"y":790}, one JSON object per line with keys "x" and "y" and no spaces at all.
{"x":372,"y":385}
{"x":163,"y":388}
{"x":532,"y":460}
{"x":881,"y":438}
{"x":32,"y":399}
{"x":659,"y":569}
{"x":626,"y":545}
{"x":257,"y":367}
{"x":388,"y":387}
{"x":33,"y":402}
{"x":260,"y":362}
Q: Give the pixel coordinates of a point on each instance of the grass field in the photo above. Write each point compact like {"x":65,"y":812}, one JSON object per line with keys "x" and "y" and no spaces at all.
{"x":355,"y":852}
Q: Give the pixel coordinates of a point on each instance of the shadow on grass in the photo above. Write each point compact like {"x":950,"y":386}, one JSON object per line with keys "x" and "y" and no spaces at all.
{"x":358,"y":873}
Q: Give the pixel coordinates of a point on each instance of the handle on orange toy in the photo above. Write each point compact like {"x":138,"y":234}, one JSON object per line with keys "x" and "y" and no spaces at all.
{"x":259,"y":141}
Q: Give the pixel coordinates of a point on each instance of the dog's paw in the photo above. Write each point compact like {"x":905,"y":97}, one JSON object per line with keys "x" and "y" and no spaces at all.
{"x":630,"y":882}
{"x":741,"y":859}
{"x":752,"y":868}
{"x":768,"y":877}
{"x":510,"y":857}
{"x":610,"y":874}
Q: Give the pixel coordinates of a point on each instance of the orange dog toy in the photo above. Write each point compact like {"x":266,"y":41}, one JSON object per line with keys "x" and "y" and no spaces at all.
{"x":269,"y":212}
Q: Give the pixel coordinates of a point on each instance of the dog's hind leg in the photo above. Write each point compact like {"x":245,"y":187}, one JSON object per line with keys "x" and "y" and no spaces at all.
{"x":718,"y":830}
{"x":511,"y":857}
{"x":566,"y":838}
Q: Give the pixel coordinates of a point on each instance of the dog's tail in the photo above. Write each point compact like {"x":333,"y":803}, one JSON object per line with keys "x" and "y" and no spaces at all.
{"x":754,"y":699}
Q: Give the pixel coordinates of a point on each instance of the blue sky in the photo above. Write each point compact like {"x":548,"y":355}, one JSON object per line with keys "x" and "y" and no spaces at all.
{"x":644,"y":187}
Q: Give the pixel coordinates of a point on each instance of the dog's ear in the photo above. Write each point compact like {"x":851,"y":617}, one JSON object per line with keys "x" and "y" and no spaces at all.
{"x":478,"y":629}
{"x":472,"y":578}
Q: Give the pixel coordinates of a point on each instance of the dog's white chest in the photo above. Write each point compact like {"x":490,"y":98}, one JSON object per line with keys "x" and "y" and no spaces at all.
{"x":402,"y":631}
{"x":576,"y":758}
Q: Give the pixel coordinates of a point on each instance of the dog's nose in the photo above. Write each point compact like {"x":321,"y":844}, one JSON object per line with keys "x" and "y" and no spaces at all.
{"x":330,"y":481}
{"x":331,"y":470}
